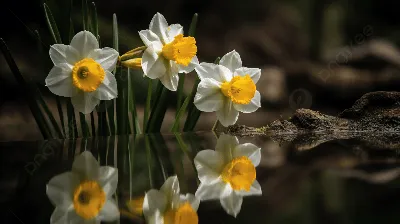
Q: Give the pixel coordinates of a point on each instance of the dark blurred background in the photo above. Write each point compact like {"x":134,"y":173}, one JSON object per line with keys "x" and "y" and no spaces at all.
{"x":318,"y":54}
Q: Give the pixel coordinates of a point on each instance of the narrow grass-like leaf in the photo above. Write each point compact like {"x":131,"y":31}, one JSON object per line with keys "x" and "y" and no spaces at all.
{"x":148,"y":104}
{"x":49,"y":114}
{"x":52,"y":24}
{"x":186,"y":151}
{"x":122,"y":103}
{"x":193,"y":25}
{"x":85,"y":15}
{"x":34,"y":107}
{"x":158,"y":146}
{"x":181,"y":111}
{"x":92,"y":124}
{"x":158,"y":112}
{"x":93,"y":18}
{"x":132,"y":104}
{"x":149,"y":163}
{"x":71,"y":30}
{"x":180,"y":93}
{"x":84,"y":125}
{"x":72,"y":129}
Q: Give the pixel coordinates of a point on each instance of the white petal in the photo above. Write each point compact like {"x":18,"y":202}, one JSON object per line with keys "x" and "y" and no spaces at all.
{"x":255,"y":189}
{"x":85,"y":102}
{"x":227,"y":115}
{"x":213,"y":191}
{"x":209,"y":97}
{"x":193,"y":64}
{"x":231,"y":60}
{"x":254,"y":73}
{"x":60,"y":189}
{"x":209,"y":165}
{"x":171,"y":79}
{"x":249,"y":150}
{"x":193,"y":201}
{"x":153,"y":65}
{"x":60,"y":53}
{"x":173,"y":30}
{"x":108,"y":88}
{"x":108,"y":179}
{"x":225,"y":146}
{"x":59,"y":81}
{"x":154,"y":200}
{"x":156,"y":218}
{"x":84,"y":42}
{"x":109,"y":212}
{"x":148,"y":37}
{"x":254,"y":104}
{"x":86,"y":166}
{"x":106,"y":57}
{"x":170,"y":188}
{"x":159,"y":25}
{"x":62,"y":216}
{"x":232,"y":204}
{"x":213,"y":71}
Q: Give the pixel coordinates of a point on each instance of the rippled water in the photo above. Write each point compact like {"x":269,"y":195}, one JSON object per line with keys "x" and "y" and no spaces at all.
{"x":338,"y":181}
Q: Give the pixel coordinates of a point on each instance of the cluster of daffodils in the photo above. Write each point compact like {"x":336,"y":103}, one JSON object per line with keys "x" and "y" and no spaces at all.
{"x":227,"y":173}
{"x":82,"y":71}
{"x":84,"y":195}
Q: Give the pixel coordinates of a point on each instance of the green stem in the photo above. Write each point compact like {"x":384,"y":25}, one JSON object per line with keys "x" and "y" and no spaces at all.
{"x":158,"y":112}
{"x":148,"y":103}
{"x":148,"y":155}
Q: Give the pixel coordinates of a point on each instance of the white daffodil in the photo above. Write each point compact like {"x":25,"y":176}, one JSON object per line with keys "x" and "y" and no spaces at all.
{"x":227,"y":88}
{"x":168,"y":52}
{"x":85,"y":194}
{"x":82,"y":71}
{"x":168,"y":206}
{"x":228,"y":173}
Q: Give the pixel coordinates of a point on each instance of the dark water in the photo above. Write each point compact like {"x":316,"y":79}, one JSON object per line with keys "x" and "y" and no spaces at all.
{"x":338,"y":181}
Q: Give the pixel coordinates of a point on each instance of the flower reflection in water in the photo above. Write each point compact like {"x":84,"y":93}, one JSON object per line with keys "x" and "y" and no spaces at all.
{"x":84,"y":194}
{"x":228,"y":173}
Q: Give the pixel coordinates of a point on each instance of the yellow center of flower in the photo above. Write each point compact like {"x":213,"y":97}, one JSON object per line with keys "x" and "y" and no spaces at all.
{"x":240,"y":173}
{"x":89,"y":198}
{"x":87,"y":75}
{"x":181,"y":50}
{"x":240,"y":89}
{"x":185,"y":214}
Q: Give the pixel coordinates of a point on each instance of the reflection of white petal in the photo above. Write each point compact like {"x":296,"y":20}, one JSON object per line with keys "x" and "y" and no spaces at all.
{"x":84,"y":42}
{"x":59,"y":81}
{"x":171,"y":79}
{"x":170,"y":188}
{"x":255,"y":189}
{"x":86,"y":165}
{"x":254,"y":104}
{"x":225,"y":146}
{"x":173,"y":30}
{"x":60,"y":53}
{"x":159,"y":25}
{"x":209,"y":97}
{"x":62,"y":216}
{"x":231,"y":60}
{"x":209,"y":165}
{"x":217,"y":190}
{"x":108,"y":179}
{"x":60,"y":189}
{"x":193,"y":201}
{"x":213,"y":71}
{"x":156,"y":218}
{"x":154,"y":200}
{"x":249,"y":150}
{"x":106,"y":57}
{"x":107,"y":90}
{"x":193,"y":64}
{"x":232,"y":204}
{"x":148,"y":37}
{"x":227,"y":115}
{"x":85,"y":102}
{"x":109,"y":212}
{"x":254,"y":73}
{"x":153,"y":65}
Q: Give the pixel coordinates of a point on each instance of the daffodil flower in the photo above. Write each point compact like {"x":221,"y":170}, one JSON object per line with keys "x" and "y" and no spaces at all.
{"x":82,"y":71}
{"x":168,"y":206}
{"x":84,"y":195}
{"x":228,"y":173}
{"x":168,"y":52}
{"x":227,"y":88}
